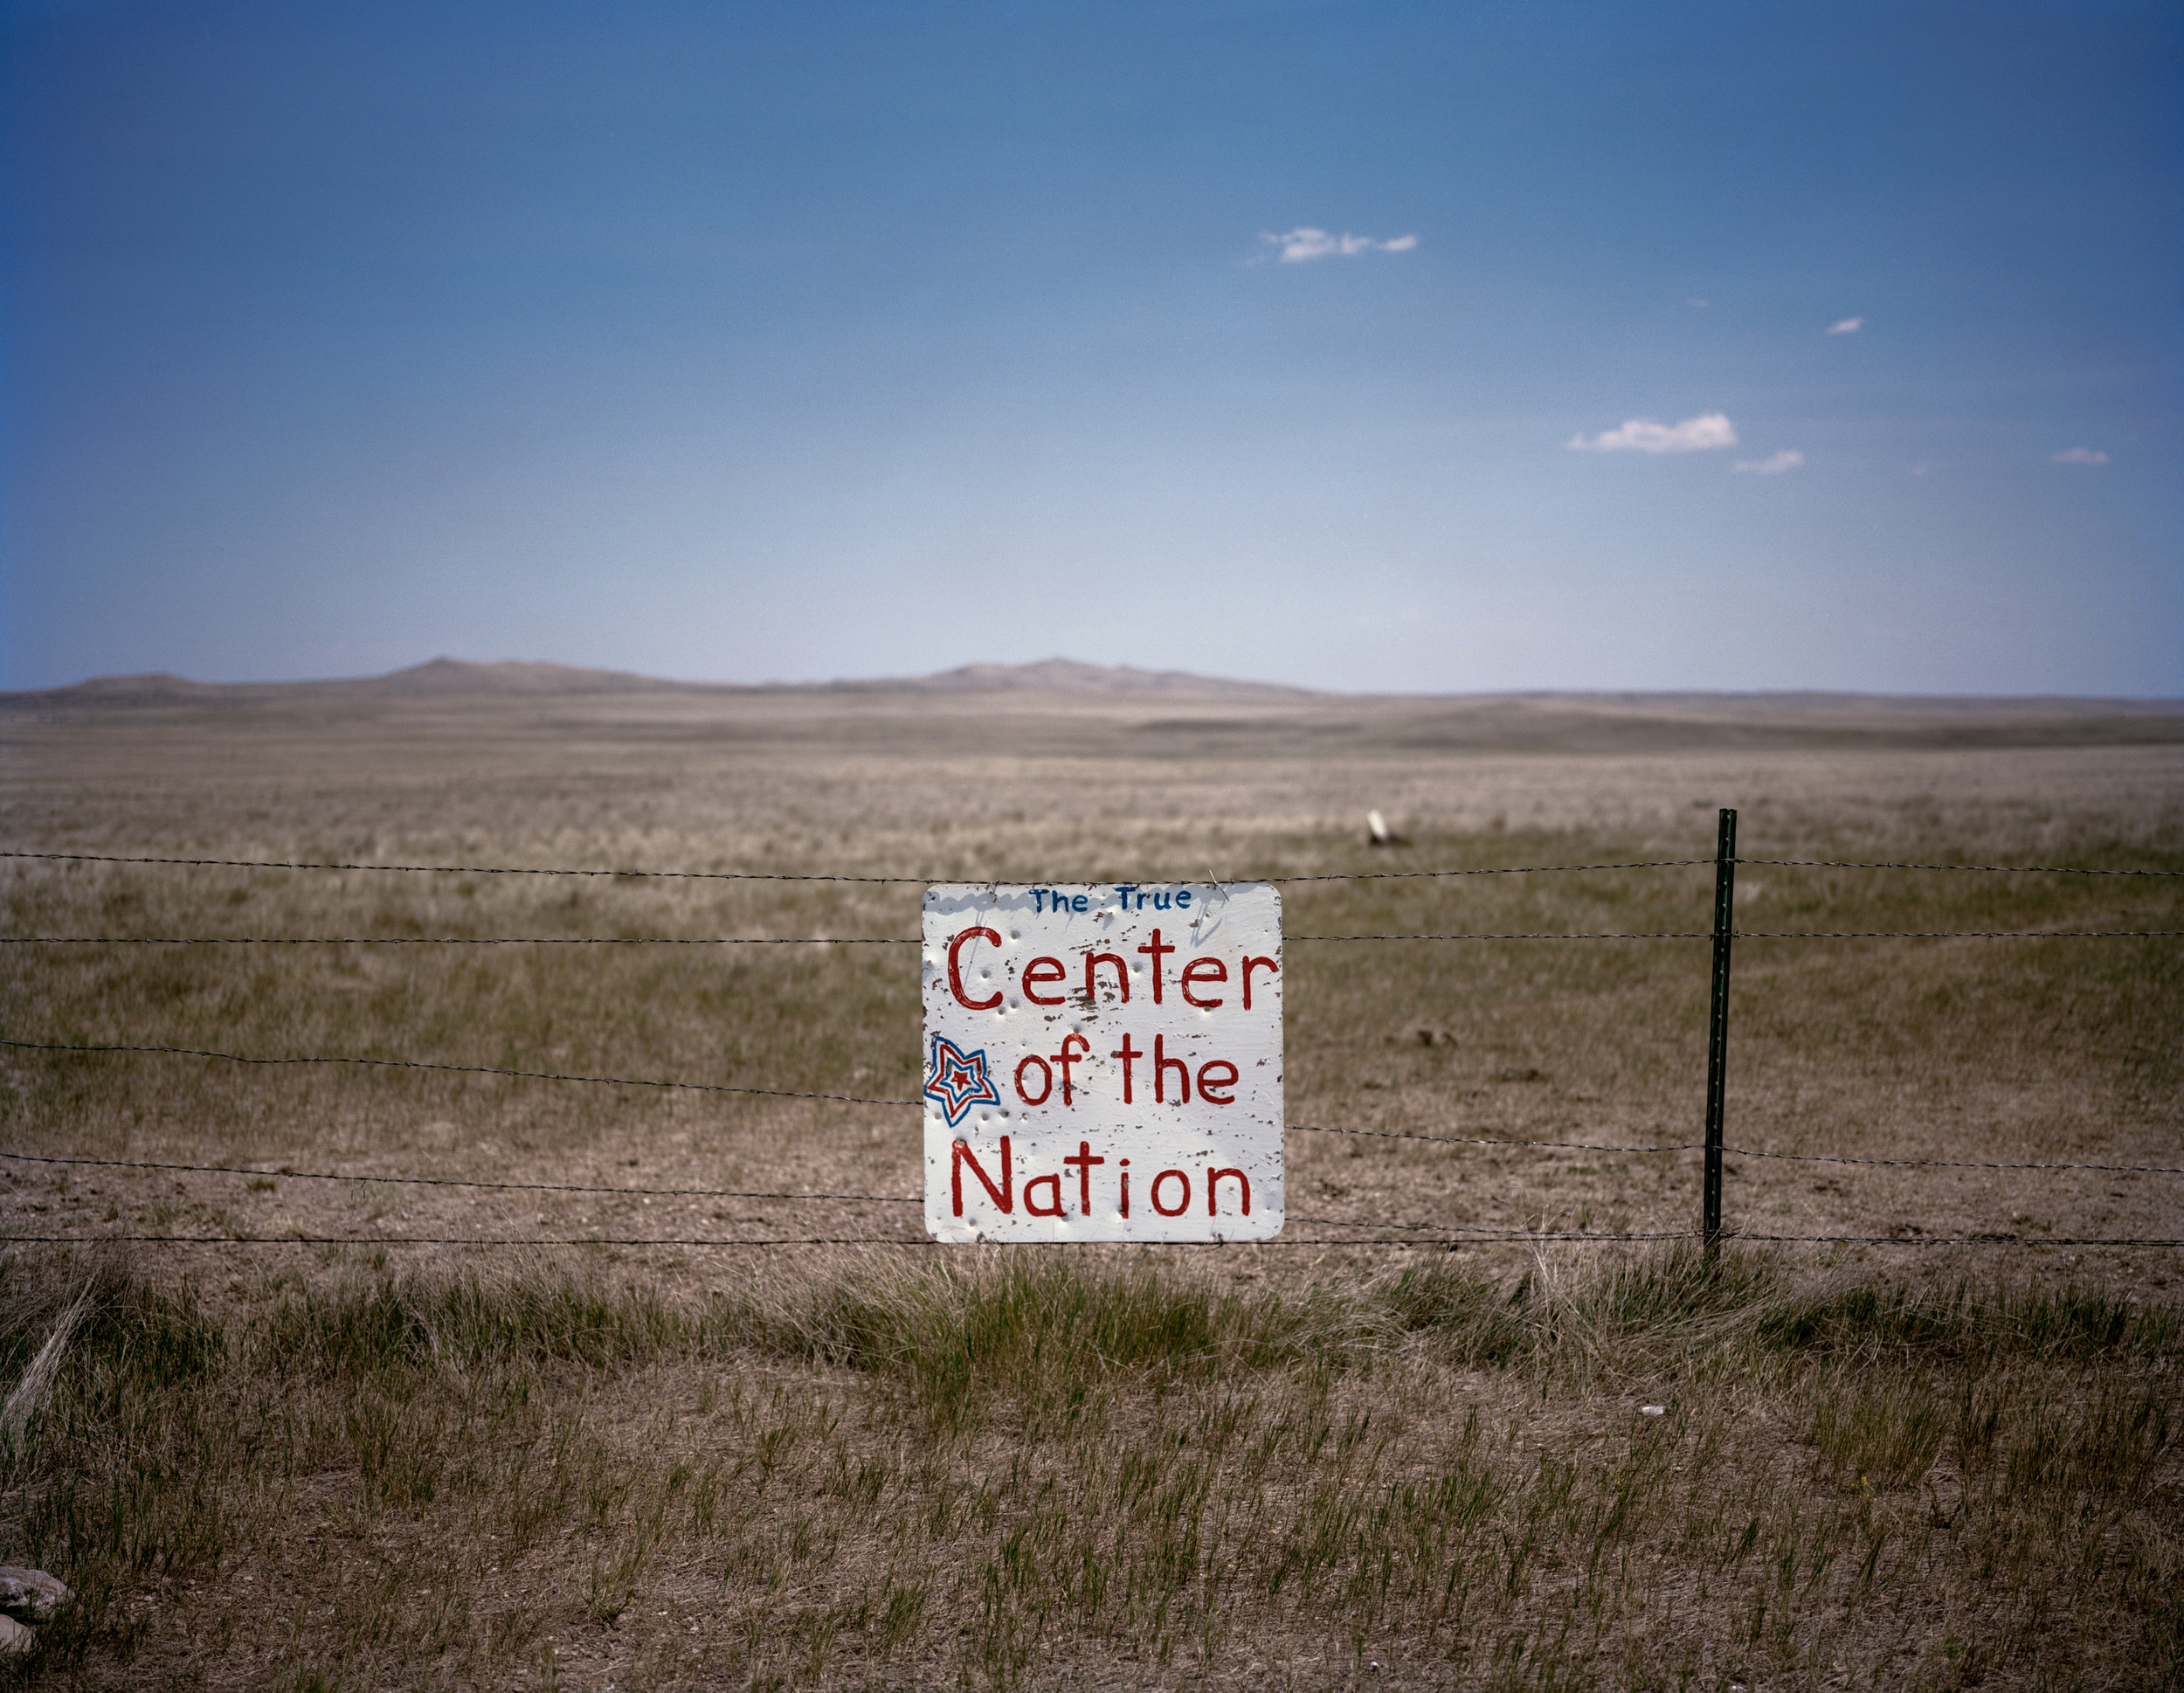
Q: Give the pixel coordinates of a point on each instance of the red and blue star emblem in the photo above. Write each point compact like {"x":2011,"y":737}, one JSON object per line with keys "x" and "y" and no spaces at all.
{"x":959,"y":1079}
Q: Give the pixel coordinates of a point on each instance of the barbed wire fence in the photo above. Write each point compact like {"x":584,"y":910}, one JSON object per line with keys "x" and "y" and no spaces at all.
{"x":1404,"y":1234}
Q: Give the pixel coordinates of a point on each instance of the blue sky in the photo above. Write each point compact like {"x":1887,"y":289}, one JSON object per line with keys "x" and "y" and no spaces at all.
{"x":746,"y":342}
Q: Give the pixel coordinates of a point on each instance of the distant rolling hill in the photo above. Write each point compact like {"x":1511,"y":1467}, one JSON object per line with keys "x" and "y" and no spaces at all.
{"x":1173,"y":708}
{"x":458,"y":678}
{"x":1071,"y":676}
{"x":438,"y":679}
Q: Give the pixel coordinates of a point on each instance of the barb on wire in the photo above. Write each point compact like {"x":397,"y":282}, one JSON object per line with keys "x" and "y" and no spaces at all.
{"x":458,"y":1069}
{"x":1958,"y":1163}
{"x":2000,"y":869}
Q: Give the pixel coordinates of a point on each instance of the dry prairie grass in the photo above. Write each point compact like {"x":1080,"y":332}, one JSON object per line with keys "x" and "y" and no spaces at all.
{"x":1083,"y":1473}
{"x":400,"y":1465}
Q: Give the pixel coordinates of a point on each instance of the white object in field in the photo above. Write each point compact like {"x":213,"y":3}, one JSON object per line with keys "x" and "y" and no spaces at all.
{"x":1103,"y":1062}
{"x":32,"y":1596}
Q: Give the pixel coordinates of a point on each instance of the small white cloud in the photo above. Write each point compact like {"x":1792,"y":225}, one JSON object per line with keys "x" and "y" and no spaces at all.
{"x":1643,"y":435}
{"x":2079,"y":455}
{"x":1301,"y":246}
{"x":1920,"y":468}
{"x":1701,"y":303}
{"x":1774,"y":464}
{"x":1849,"y":326}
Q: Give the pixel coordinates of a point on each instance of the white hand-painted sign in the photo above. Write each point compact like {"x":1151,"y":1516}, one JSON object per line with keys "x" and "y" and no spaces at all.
{"x":1104,"y":1062}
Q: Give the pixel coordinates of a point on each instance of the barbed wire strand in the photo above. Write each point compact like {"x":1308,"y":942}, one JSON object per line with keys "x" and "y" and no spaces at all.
{"x":1999,"y":869}
{"x":1357,"y":875}
{"x":757,"y":876}
{"x":1955,"y":934}
{"x":1298,"y":1127}
{"x":459,"y":1069}
{"x":1735,"y":1151}
{"x":912,"y":940}
{"x":1949,"y":1240}
{"x":459,"y":940}
{"x":671,"y":1193}
{"x":771,"y":1240}
{"x":568,"y":1188}
{"x":1486,"y":1140}
{"x":449,"y":1181}
{"x":1294,"y":1128}
{"x":1489,"y":870}
{"x":1793,"y":934}
{"x":259,"y":1173}
{"x":462,"y":869}
{"x":1956,"y":1163}
{"x":708,"y":940}
{"x":1452,"y":1238}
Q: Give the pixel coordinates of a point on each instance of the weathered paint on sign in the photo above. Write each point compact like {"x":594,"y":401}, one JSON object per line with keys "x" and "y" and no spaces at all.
{"x":1104,"y":1062}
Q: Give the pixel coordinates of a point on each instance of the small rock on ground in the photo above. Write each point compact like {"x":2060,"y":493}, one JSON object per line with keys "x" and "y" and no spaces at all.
{"x":31,"y":1595}
{"x":15,"y":1639}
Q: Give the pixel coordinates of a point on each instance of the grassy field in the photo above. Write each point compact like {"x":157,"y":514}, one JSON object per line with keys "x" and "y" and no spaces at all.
{"x":1336,"y":1460}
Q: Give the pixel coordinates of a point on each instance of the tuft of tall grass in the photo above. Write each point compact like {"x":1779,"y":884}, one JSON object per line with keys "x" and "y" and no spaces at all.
{"x":537,"y":1312}
{"x":1033,"y":1328}
{"x":1968,"y":1322}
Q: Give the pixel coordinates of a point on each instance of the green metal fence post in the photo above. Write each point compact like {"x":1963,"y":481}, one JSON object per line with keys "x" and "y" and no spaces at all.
{"x":1718,"y":1025}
